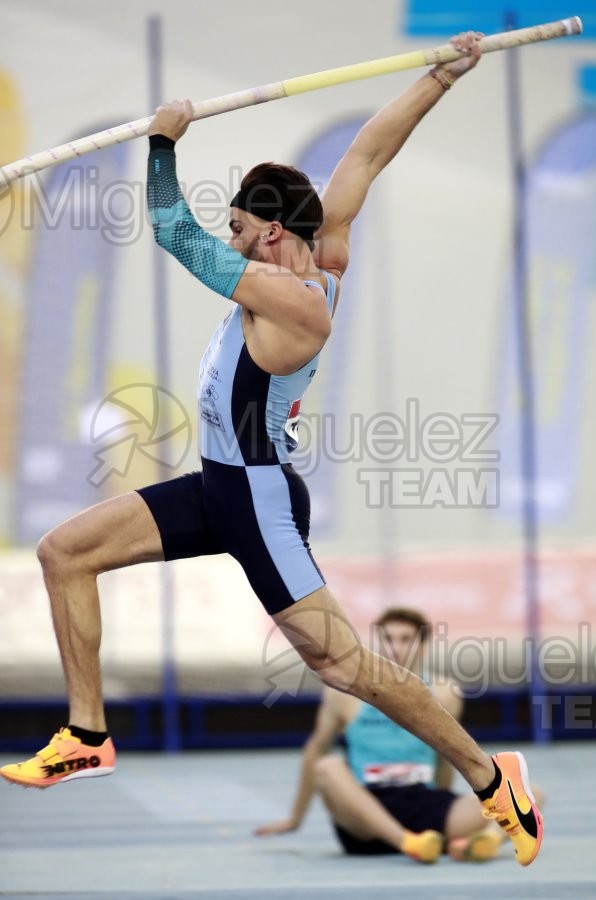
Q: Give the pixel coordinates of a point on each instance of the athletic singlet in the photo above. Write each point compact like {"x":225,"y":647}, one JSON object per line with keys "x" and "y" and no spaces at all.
{"x":382,"y":753}
{"x":249,"y":417}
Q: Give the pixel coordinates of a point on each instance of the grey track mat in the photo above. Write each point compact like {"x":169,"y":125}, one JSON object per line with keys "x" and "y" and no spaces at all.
{"x":181,"y":827}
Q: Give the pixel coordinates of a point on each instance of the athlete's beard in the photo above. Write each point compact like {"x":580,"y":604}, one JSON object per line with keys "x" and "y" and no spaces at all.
{"x":251,"y":252}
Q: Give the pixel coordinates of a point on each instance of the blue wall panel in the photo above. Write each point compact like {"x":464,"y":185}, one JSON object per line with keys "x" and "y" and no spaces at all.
{"x":435,"y":17}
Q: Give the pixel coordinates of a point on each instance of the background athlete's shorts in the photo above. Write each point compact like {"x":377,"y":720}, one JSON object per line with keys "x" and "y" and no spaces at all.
{"x":258,"y":514}
{"x":415,"y":806}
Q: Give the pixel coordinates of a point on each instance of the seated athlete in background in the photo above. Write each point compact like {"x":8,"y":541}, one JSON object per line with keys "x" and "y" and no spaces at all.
{"x":392,"y":792}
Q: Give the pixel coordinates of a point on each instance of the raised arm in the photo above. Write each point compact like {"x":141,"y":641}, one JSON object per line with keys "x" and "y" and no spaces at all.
{"x":328,"y":726}
{"x":375,"y":145}
{"x":269,"y":290}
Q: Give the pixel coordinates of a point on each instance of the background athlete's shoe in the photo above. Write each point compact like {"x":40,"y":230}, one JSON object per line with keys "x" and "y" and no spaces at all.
{"x":425,"y":846}
{"x":478,"y":847}
{"x":64,"y":759}
{"x":514,"y":808}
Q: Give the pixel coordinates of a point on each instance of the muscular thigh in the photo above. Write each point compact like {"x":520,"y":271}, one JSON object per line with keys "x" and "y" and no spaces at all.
{"x":320,"y":631}
{"x":112,"y":534}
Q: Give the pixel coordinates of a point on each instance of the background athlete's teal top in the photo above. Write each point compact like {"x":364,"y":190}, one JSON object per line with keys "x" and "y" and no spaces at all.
{"x":375,"y":744}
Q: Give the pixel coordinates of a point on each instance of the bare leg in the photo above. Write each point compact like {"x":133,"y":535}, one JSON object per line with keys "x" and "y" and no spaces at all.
{"x":111,"y":535}
{"x":465,"y":818}
{"x":352,"y":807}
{"x":319,"y":630}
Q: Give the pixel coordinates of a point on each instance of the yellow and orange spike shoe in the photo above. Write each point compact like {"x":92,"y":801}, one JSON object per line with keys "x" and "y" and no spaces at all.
{"x":514,"y":808}
{"x":64,"y":759}
{"x":478,"y":847}
{"x":425,"y":846}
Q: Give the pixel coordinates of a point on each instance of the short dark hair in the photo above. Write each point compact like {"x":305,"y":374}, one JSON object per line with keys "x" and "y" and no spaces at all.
{"x":276,"y":192}
{"x":405,"y":614}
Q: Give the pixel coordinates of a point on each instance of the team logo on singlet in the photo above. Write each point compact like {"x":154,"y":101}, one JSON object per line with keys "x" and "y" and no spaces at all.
{"x":212,"y":418}
{"x":209,"y":395}
{"x":291,"y":426}
{"x":397,"y":774}
{"x":209,"y":412}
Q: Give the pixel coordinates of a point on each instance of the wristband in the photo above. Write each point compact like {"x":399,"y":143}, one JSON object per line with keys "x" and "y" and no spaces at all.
{"x":442,"y":78}
{"x":161,"y":142}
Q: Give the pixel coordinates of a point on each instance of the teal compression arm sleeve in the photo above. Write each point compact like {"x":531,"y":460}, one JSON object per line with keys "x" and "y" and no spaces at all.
{"x":176,"y":230}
